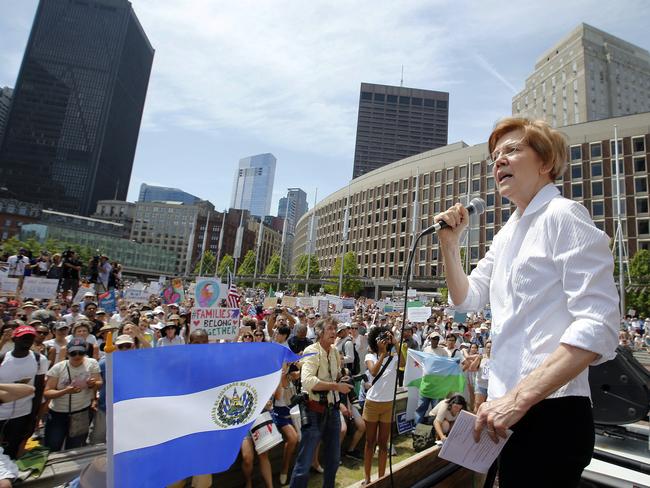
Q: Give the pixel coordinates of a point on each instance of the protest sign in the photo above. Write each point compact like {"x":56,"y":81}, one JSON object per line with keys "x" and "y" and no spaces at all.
{"x":137,"y":296}
{"x":107,"y":301}
{"x":219,"y":323}
{"x":289,"y":302}
{"x":154,"y":288}
{"x":8,"y":285}
{"x":336,"y":301}
{"x":411,"y":293}
{"x":41,"y":288}
{"x":342,"y":317}
{"x":460,"y":317}
{"x":270,"y":302}
{"x":418,"y":314}
{"x":307,"y":302}
{"x":323,"y":308}
{"x":347,"y":303}
{"x":209,"y":291}
{"x":174,"y":292}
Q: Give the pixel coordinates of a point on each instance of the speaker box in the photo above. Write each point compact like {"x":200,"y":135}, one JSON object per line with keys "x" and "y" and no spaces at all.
{"x":620,"y":390}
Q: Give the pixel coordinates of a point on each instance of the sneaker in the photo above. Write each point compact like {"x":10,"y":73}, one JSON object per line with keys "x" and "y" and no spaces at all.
{"x":355,"y":454}
{"x":284,"y":479}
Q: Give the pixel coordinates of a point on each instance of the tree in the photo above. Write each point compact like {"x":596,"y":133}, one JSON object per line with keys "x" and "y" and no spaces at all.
{"x":271,"y":270}
{"x":247,"y":267}
{"x":209,"y":262}
{"x":638,"y":295}
{"x":351,"y":285}
{"x":300,"y":270}
{"x":227,"y":262}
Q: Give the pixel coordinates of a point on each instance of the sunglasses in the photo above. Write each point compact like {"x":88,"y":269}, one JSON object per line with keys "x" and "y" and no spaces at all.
{"x":42,"y":332}
{"x":121,"y":347}
{"x":247,"y":336}
{"x":74,"y":354}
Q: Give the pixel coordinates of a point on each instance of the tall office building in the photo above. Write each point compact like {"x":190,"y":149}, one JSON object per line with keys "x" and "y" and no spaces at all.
{"x":396,"y":122}
{"x":150,"y":193}
{"x":75,"y":118}
{"x":589,"y":75}
{"x":253,"y":185}
{"x":292,"y":207}
{"x":6,"y":95}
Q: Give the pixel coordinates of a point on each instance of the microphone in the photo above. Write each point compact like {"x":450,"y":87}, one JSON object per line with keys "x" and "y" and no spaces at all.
{"x":476,"y":206}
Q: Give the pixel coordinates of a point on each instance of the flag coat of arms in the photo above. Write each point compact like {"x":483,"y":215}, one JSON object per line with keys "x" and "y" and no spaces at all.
{"x":431,"y":376}
{"x":183,"y":411}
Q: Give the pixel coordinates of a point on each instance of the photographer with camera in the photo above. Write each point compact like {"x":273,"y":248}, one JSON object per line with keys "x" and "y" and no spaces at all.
{"x":321,"y":421}
{"x":378,"y":408}
{"x":70,"y":272}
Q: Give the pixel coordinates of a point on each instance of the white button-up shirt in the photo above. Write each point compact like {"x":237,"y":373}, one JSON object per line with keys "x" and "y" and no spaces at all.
{"x":548,"y":277}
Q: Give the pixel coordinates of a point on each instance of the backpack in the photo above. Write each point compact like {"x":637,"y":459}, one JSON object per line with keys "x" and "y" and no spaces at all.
{"x":423,"y":437}
{"x":356,"y":364}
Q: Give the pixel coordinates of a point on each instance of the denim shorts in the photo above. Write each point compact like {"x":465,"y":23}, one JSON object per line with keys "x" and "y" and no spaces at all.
{"x":480,"y":390}
{"x":281,"y":416}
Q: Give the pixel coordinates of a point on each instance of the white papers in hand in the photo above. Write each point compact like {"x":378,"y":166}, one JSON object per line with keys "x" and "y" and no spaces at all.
{"x":460,"y":448}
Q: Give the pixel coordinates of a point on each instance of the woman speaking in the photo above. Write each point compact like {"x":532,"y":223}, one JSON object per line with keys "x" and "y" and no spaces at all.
{"x":548,"y":277}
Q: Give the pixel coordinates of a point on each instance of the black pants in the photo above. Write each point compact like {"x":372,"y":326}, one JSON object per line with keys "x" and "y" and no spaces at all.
{"x":550,"y":446}
{"x":14,"y":432}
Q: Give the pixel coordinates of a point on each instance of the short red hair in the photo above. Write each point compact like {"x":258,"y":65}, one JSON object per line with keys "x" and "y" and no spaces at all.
{"x":549,"y":144}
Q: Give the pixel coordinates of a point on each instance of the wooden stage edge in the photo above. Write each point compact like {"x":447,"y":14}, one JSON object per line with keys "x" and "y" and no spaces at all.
{"x":416,"y":468}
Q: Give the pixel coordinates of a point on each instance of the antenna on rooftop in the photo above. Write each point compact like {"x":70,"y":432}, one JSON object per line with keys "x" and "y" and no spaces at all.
{"x":401,"y":81}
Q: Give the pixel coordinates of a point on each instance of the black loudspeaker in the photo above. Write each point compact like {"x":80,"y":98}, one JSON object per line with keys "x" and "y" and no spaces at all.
{"x":620,"y":390}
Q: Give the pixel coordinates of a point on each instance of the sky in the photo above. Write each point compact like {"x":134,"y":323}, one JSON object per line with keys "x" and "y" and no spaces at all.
{"x":233,"y":79}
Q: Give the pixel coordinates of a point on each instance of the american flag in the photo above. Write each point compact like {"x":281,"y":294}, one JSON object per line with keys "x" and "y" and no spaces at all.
{"x":234,"y":299}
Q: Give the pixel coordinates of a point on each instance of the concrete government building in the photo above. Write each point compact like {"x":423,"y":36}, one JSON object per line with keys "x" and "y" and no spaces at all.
{"x":382,"y":210}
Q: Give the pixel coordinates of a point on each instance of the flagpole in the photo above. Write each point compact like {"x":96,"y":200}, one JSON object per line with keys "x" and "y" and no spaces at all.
{"x":238,"y":240}
{"x":284,"y":232}
{"x":205,"y":239}
{"x":257,"y":251}
{"x":310,"y":242}
{"x":469,"y":224}
{"x":344,"y":238}
{"x":416,"y":204}
{"x":223,"y":224}
{"x":110,"y":463}
{"x":619,"y":225}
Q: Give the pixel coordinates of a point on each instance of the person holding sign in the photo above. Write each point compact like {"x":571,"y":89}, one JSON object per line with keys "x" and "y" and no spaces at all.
{"x":548,"y":278}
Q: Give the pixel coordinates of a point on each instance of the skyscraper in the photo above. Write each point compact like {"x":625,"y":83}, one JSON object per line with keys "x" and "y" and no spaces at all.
{"x":75,"y":118}
{"x":6,"y":95}
{"x":253,"y":185}
{"x":396,"y":122}
{"x":150,"y":193}
{"x":292,"y":207}
{"x":589,"y":75}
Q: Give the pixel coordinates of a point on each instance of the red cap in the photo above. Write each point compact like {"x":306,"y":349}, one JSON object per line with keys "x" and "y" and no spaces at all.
{"x":12,"y":304}
{"x":24,"y":330}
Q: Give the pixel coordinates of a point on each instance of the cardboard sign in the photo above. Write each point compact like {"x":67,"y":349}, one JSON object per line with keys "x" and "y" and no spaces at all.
{"x":418,"y":314}
{"x":137,"y":296}
{"x":174,"y":292}
{"x":209,"y":291}
{"x":336,"y":301}
{"x":342,"y":317}
{"x":219,"y":323}
{"x":347,"y":303}
{"x":41,"y":288}
{"x":270,"y":302}
{"x":289,"y":302}
{"x":307,"y":302}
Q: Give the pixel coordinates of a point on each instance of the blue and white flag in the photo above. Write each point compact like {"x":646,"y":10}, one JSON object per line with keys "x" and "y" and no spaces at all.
{"x":182,"y":411}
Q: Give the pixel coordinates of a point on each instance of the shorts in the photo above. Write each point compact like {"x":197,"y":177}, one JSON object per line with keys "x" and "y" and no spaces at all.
{"x":479,"y":390}
{"x":378,"y":411}
{"x":281,"y":416}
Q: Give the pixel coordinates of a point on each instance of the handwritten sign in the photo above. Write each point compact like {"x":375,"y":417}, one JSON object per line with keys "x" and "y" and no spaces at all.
{"x":219,"y":323}
{"x":209,"y":291}
{"x":307,"y":302}
{"x":8,"y":285}
{"x":41,"y":288}
{"x":135,"y":295}
{"x":323,"y":308}
{"x":418,"y":314}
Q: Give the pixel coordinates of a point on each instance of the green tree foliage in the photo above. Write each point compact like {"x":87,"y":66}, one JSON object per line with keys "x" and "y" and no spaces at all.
{"x":54,"y":246}
{"x":227,"y":262}
{"x":209,"y":262}
{"x":271,"y":269}
{"x":638,"y":295}
{"x":300,"y":270}
{"x":247,"y":267}
{"x":351,"y":285}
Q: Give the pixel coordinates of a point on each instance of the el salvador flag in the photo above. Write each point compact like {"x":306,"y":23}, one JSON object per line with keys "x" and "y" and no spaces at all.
{"x":184,"y":410}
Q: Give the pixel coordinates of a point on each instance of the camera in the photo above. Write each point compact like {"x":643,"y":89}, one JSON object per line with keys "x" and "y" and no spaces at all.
{"x":300,"y":399}
{"x":352,"y":396}
{"x":386,"y":336}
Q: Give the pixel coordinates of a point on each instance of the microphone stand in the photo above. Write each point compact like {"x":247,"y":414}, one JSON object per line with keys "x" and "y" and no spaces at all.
{"x":407,"y":275}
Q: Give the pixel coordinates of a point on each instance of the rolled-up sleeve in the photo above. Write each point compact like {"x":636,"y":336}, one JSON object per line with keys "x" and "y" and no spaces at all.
{"x":582,"y":256}
{"x":308,"y":372}
{"x":478,"y":292}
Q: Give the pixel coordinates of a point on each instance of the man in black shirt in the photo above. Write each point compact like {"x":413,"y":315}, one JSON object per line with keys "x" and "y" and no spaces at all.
{"x":70,"y":272}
